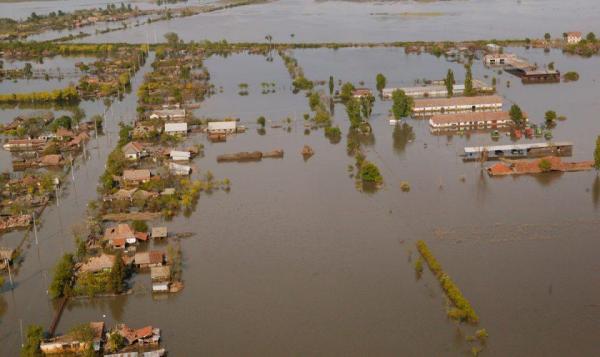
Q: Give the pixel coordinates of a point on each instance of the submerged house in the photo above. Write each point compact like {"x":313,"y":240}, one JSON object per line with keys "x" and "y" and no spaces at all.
{"x":153,"y":258}
{"x":120,"y":235}
{"x":161,"y":278}
{"x":573,"y":38}
{"x":136,"y":176}
{"x":457,"y":104}
{"x":176,"y":128}
{"x":469,"y":120}
{"x":134,"y":150}
{"x":144,"y":335}
{"x":361,"y":92}
{"x":518,"y":151}
{"x":69,"y":344}
{"x":177,"y":155}
{"x":179,"y":170}
{"x":168,"y":114}
{"x":101,"y":263}
{"x":222,"y":127}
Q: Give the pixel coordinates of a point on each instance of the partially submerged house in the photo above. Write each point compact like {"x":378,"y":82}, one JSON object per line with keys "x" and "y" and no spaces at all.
{"x":144,"y":335}
{"x":222,"y":127}
{"x":469,"y":120}
{"x":161,"y":278}
{"x":24,"y":144}
{"x":177,"y":155}
{"x":168,"y":114}
{"x":120,"y":235}
{"x":134,"y":150}
{"x":457,"y":104}
{"x":153,"y":258}
{"x":179,"y":170}
{"x":136,"y":176}
{"x":517,"y":151}
{"x":361,"y":92}
{"x":70,"y":344}
{"x":176,"y":128}
{"x":574,"y":38}
{"x":101,"y":263}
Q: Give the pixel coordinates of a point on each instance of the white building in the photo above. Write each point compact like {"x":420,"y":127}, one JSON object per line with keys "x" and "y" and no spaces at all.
{"x":168,"y":114}
{"x":222,"y":127}
{"x":180,"y":170}
{"x":180,"y":155}
{"x":573,"y":38}
{"x":471,"y":120}
{"x":176,"y":128}
{"x":458,"y":104}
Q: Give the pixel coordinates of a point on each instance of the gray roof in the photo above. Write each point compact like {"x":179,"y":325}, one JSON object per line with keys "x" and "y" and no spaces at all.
{"x":474,"y":149}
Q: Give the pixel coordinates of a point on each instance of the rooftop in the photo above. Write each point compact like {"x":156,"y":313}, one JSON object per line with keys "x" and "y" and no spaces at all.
{"x":469,"y":117}
{"x":99,"y":263}
{"x":475,"y":149}
{"x":445,"y":102}
{"x":136,"y":175}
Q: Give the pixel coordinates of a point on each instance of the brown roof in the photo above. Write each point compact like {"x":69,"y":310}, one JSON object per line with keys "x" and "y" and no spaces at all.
{"x":361,"y":91}
{"x":136,"y":175}
{"x":120,"y":231}
{"x":574,"y":33}
{"x":133,"y":147}
{"x":160,"y":273}
{"x":469,"y":117}
{"x":143,"y":236}
{"x":133,"y":335}
{"x":53,"y":159}
{"x":445,"y":102}
{"x":99,"y":263}
{"x":159,"y":232}
{"x":151,"y":257}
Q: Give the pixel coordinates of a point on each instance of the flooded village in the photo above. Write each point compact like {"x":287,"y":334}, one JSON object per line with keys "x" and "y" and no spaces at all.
{"x":176,"y":194}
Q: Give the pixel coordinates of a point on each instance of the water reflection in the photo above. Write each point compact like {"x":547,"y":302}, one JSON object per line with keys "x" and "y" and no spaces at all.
{"x":596,"y":191}
{"x":403,"y":134}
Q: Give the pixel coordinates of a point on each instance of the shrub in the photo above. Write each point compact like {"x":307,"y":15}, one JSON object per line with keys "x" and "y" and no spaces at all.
{"x":482,"y":335}
{"x":462,"y":309}
{"x":139,"y":226}
{"x":545,"y":165}
{"x":405,"y":186}
{"x":369,"y":172}
{"x":571,"y":76}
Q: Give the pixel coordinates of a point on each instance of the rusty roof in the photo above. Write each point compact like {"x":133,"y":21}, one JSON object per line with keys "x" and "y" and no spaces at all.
{"x":446,"y":102}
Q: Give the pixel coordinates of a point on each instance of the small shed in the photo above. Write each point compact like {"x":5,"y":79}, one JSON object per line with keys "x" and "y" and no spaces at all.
{"x":149,"y":259}
{"x":162,"y":273}
{"x":177,"y":155}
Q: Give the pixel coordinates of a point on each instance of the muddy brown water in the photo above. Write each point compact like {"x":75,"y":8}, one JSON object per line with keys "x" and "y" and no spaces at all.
{"x":295,"y":261}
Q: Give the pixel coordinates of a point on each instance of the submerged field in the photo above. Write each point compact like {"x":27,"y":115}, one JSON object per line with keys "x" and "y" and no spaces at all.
{"x":295,"y":260}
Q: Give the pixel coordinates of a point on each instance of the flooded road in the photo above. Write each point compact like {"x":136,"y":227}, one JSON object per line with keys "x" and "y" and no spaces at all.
{"x":339,"y":21}
{"x":294,"y":260}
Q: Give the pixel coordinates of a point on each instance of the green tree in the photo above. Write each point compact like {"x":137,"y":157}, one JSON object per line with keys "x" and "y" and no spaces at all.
{"x":353,"y":111}
{"x":516,"y":114}
{"x":547,"y":36}
{"x":139,"y":226}
{"x":402,"y":104}
{"x":469,"y":90}
{"x":172,"y":39}
{"x":115,"y":342}
{"x":381,"y":81}
{"x":597,"y":154}
{"x":117,"y":274}
{"x":545,"y":165}
{"x":591,"y":37}
{"x":550,"y":116}
{"x":369,"y":172}
{"x":31,"y":348}
{"x":314,"y":100}
{"x":63,"y":274}
{"x":449,"y":81}
{"x":331,"y":85}
{"x":261,"y":121}
{"x":366,"y":103}
{"x":346,"y":91}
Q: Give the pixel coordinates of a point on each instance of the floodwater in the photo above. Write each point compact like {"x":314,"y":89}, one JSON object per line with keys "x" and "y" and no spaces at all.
{"x":23,"y":9}
{"x":295,"y":261}
{"x":342,"y":21}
